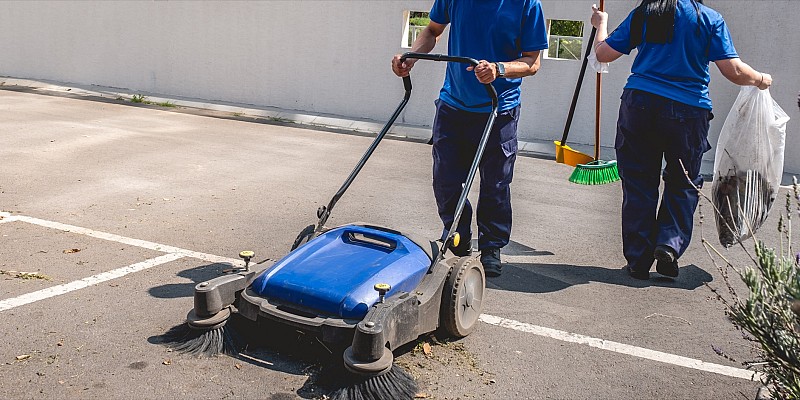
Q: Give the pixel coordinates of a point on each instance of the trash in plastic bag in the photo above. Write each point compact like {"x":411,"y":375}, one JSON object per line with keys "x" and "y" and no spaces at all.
{"x":748,"y":164}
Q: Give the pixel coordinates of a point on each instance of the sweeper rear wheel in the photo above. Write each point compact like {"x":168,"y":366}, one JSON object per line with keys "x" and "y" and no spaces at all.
{"x":462,"y":300}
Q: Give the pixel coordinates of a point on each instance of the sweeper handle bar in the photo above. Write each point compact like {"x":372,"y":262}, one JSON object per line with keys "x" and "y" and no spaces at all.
{"x":462,"y":200}
{"x":325,"y":211}
{"x":442,"y":57}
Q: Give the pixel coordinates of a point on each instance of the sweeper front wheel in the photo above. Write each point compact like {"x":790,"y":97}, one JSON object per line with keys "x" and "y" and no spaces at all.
{"x":462,"y":297}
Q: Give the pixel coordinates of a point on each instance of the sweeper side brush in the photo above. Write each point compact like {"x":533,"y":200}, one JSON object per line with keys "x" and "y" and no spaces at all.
{"x":202,"y":337}
{"x":361,"y":288}
{"x":206,"y":332}
{"x":395,"y":383}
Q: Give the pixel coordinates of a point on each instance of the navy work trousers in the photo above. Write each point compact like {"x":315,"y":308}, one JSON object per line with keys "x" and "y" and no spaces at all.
{"x":456,"y":135}
{"x":649,"y":128}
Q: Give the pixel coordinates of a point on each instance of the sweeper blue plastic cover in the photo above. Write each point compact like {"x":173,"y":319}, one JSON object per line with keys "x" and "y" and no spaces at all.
{"x":336,"y":272}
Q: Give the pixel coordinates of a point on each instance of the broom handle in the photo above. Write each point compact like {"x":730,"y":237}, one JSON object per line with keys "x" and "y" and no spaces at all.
{"x":598,"y":96}
{"x":578,"y":87}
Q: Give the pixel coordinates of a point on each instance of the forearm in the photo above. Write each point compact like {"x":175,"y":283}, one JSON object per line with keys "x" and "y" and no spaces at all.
{"x":425,"y":42}
{"x":526,"y":65}
{"x":602,"y":33}
{"x":602,"y":51}
{"x":739,"y":72}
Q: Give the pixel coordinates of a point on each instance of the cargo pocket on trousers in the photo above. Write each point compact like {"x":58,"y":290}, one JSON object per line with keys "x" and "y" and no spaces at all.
{"x":619,"y":140}
{"x":509,"y":147}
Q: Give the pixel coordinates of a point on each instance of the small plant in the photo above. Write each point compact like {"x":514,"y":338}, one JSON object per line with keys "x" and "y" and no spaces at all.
{"x":165,"y":104}
{"x":137,"y":98}
{"x":770,"y":313}
{"x":280,"y":120}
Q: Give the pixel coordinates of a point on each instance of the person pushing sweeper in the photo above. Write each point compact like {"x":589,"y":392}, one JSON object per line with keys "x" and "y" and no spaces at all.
{"x":665,"y":113}
{"x":506,"y":37}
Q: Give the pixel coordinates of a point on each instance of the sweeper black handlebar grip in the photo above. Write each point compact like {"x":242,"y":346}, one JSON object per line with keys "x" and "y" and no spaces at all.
{"x":444,"y":57}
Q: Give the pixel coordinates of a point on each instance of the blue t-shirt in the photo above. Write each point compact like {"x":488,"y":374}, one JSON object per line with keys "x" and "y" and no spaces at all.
{"x":678,"y":70}
{"x":492,"y":30}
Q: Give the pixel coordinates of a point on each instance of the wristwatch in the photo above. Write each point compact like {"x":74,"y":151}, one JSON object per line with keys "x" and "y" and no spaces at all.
{"x":501,"y":70}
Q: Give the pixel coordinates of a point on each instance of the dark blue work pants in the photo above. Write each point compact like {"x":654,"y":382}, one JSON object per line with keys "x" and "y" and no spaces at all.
{"x":650,"y":128}
{"x":456,"y":135}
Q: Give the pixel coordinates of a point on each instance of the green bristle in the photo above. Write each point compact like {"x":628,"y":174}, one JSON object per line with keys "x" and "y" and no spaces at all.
{"x":595,"y":173}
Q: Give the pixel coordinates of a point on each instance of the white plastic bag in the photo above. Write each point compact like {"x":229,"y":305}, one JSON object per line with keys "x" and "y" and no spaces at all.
{"x":748,"y":165}
{"x":597,"y":66}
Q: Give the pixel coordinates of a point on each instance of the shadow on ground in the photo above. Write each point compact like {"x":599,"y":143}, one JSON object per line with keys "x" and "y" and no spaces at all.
{"x":196,"y":275}
{"x":546,"y":278}
{"x":518,"y":249}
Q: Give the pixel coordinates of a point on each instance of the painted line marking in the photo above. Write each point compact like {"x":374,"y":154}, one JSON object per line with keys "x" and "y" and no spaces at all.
{"x":6,"y":217}
{"x":126,"y":240}
{"x":28,"y":298}
{"x":622,"y":348}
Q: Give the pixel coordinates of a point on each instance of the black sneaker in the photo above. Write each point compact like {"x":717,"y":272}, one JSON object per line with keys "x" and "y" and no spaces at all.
{"x":636,"y":274}
{"x":464,"y":249}
{"x":490,"y":258}
{"x":667,"y":261}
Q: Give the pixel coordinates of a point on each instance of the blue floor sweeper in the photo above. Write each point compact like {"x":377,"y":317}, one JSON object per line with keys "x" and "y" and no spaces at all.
{"x":368,"y":287}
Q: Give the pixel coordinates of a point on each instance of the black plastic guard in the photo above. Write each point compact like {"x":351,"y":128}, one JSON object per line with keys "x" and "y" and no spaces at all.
{"x":211,"y":296}
{"x":388,"y":324}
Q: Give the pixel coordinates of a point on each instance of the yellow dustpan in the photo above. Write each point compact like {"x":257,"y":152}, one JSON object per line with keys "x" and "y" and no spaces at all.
{"x":565,"y":154}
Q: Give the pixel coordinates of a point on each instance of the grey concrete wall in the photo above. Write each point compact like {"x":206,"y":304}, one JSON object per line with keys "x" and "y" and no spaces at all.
{"x":332,"y":57}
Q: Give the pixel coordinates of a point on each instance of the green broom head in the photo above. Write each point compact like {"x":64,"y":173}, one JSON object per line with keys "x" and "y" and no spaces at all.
{"x":597,"y":172}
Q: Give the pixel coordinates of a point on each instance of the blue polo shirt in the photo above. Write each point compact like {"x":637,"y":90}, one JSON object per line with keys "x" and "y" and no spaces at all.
{"x":678,"y":70}
{"x":492,"y":30}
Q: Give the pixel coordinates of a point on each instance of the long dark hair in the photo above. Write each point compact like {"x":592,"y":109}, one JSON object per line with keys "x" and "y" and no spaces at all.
{"x":659,"y":16}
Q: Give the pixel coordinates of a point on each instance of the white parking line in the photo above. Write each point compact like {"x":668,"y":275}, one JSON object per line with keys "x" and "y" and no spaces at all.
{"x":125,"y":240}
{"x":622,"y":348}
{"x":176,"y":253}
{"x":28,"y":298}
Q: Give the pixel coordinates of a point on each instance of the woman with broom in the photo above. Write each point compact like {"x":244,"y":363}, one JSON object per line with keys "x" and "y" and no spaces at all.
{"x":665,"y":113}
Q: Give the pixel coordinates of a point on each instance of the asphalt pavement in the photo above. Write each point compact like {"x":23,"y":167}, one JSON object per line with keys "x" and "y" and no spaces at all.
{"x":111,"y":212}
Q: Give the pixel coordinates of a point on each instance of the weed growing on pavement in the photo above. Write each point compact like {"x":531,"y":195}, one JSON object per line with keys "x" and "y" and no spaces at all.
{"x":141,"y":99}
{"x":25,"y":275}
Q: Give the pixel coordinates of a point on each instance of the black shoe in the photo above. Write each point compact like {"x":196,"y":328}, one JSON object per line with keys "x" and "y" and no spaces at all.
{"x":490,"y":258}
{"x":667,"y":261}
{"x":464,"y":249}
{"x":636,"y":274}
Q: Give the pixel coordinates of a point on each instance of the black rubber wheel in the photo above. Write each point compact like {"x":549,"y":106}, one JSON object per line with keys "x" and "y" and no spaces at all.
{"x":303,"y":237}
{"x":462,"y":297}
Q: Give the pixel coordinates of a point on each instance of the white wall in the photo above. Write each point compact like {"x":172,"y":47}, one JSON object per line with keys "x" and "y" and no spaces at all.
{"x":332,"y":57}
